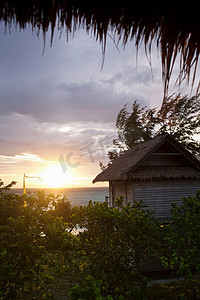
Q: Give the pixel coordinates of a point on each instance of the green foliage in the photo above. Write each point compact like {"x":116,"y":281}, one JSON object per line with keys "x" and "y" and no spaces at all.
{"x":37,"y":247}
{"x":174,"y":290}
{"x":182,"y":239}
{"x":178,"y":116}
{"x":115,"y":242}
{"x":29,"y":236}
{"x":87,"y":289}
{"x":119,"y":201}
{"x":136,"y":126}
{"x":103,"y":261}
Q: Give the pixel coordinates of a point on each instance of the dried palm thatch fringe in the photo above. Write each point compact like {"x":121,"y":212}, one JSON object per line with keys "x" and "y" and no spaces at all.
{"x":128,"y":166}
{"x":173,"y":25}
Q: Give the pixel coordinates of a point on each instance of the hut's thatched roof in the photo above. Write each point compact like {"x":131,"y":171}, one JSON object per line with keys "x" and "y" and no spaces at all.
{"x":128,"y":166}
{"x":174,"y":26}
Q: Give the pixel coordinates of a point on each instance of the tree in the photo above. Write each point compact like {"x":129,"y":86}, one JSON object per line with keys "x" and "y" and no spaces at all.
{"x":178,"y":116}
{"x":6,"y":187}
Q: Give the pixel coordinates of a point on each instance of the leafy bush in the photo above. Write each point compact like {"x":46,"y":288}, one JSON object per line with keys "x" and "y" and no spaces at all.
{"x":104,"y":261}
{"x":182,"y":239}
{"x":115,"y":242}
{"x":29,"y":236}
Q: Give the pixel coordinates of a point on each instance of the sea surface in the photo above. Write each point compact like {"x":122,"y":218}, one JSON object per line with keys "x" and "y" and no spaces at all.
{"x":77,"y":196}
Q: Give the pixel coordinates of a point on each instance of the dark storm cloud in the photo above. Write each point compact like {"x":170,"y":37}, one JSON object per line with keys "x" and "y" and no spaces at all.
{"x":65,"y":84}
{"x":65,"y":102}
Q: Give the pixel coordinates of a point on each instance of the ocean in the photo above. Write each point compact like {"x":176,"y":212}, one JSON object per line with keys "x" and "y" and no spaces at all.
{"x":77,"y":196}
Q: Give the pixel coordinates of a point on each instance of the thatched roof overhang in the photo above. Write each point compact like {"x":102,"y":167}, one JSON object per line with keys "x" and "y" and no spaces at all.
{"x":166,"y":173}
{"x":127,"y":167}
{"x":174,"y":26}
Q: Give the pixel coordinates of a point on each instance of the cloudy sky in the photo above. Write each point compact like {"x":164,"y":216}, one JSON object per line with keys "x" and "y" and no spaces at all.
{"x":59,"y":106}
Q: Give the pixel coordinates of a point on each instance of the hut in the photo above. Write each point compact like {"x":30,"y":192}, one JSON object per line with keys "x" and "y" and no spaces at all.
{"x":160,"y":172}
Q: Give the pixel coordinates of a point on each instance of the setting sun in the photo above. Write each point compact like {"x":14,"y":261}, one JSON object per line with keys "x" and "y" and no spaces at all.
{"x":55,"y":178}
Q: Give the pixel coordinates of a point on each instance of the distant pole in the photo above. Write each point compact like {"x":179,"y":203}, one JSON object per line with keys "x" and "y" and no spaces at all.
{"x":24,"y":187}
{"x":24,"y":184}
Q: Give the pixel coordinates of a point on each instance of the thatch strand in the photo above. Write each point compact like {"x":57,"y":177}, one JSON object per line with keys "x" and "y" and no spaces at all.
{"x":174,"y":27}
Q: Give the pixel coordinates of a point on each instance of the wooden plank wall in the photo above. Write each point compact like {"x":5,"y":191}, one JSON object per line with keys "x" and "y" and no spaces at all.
{"x":122,"y":188}
{"x":130,"y":192}
{"x":160,"y":195}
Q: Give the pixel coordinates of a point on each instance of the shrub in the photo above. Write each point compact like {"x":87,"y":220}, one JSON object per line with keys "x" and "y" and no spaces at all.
{"x":115,"y":242}
{"x":182,"y":239}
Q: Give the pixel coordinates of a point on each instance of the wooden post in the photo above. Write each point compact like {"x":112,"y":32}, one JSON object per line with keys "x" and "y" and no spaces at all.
{"x":126,"y":193}
{"x":113,"y":194}
{"x":107,"y":199}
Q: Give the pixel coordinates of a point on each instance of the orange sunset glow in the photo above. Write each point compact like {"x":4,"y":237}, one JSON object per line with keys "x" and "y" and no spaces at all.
{"x":53,"y":177}
{"x":67,"y":112}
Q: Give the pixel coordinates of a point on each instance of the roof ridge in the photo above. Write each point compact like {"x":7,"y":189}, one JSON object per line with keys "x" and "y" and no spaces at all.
{"x":122,"y":168}
{"x":128,"y":157}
